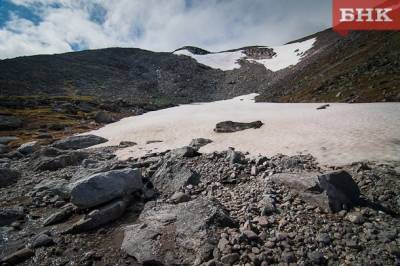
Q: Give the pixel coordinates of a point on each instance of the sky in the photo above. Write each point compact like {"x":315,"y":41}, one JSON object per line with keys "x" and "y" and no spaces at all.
{"x":29,"y":27}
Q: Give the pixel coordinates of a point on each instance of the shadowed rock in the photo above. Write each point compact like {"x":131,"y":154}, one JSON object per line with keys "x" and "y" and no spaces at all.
{"x":333,"y":191}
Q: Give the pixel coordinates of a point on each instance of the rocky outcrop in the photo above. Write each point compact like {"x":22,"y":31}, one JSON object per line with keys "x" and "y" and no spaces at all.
{"x":180,"y":234}
{"x":230,"y":126}
{"x":79,"y":142}
{"x":100,"y":188}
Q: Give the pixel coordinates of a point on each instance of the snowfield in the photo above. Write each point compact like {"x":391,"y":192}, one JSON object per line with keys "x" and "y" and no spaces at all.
{"x":224,"y":61}
{"x":342,"y":133}
{"x":286,"y":55}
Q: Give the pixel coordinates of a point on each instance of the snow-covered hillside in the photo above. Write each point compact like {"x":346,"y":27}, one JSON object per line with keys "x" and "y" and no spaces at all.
{"x":284,"y":56}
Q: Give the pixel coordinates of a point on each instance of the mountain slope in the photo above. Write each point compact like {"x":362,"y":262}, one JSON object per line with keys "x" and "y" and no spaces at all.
{"x":363,"y":66}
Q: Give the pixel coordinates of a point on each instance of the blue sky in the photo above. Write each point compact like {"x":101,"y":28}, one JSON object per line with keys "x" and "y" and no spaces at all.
{"x":29,"y":27}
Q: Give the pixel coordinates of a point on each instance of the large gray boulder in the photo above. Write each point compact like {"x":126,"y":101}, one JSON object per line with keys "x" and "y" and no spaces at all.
{"x":78,"y":142}
{"x":8,"y":177}
{"x":100,"y":188}
{"x":171,"y":176}
{"x":182,"y":234}
{"x":333,"y":191}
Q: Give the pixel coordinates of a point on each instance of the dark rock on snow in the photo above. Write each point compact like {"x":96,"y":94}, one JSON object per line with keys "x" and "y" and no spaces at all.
{"x":230,"y":126}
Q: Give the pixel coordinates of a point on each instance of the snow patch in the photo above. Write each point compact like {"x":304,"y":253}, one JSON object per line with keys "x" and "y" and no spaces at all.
{"x":224,"y":61}
{"x":285,"y":56}
{"x":341,"y":134}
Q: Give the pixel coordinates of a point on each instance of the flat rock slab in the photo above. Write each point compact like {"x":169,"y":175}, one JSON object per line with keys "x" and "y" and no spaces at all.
{"x":230,"y":126}
{"x":179,"y":234}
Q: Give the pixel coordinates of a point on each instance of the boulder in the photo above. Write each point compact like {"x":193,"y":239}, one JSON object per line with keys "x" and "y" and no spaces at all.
{"x":8,"y":177}
{"x":324,"y":106}
{"x":230,"y":126}
{"x":10,"y":215}
{"x":182,"y":234}
{"x":9,"y":122}
{"x":341,"y":190}
{"x":78,"y":142}
{"x":99,"y":217}
{"x":170,"y":177}
{"x":61,"y":161}
{"x":333,"y":191}
{"x":100,"y":188}
{"x":28,"y":148}
{"x":199,"y":142}
{"x":104,"y":117}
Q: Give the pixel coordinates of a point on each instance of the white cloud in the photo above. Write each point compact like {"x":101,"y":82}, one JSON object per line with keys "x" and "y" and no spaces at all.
{"x":161,"y":25}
